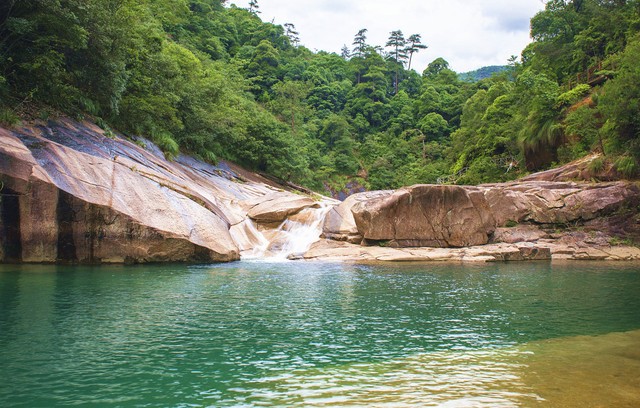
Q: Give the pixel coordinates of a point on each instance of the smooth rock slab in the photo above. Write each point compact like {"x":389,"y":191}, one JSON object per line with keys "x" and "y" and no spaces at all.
{"x":544,"y":251}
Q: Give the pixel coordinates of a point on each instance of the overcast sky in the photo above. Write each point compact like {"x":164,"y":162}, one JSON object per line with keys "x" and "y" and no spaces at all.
{"x":469,"y":34}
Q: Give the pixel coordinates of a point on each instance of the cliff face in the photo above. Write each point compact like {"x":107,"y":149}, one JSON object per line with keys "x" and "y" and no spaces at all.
{"x":71,"y":194}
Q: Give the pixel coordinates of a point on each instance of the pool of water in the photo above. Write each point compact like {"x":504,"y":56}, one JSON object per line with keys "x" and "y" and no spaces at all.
{"x":317,"y":334}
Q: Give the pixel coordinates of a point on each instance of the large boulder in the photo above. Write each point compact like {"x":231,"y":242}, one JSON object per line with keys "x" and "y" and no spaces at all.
{"x":277,"y":206}
{"x":461,"y":216}
{"x":427,"y":215}
{"x":339,"y":223}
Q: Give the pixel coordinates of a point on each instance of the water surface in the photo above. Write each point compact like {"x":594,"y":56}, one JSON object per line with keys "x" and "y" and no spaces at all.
{"x":314,"y":334}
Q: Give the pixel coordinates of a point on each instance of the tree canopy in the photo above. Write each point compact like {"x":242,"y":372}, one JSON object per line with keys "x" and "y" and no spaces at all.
{"x":214,"y":80}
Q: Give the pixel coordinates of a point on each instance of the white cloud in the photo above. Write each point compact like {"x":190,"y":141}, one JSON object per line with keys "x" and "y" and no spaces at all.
{"x":467,"y":33}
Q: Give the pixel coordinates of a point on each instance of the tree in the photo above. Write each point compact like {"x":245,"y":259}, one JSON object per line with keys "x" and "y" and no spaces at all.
{"x":290,"y":31}
{"x":397,"y":42}
{"x":360,"y":42}
{"x":414,"y":45}
{"x":345,"y":52}
{"x":435,"y":67}
{"x":620,"y":104}
{"x":290,"y":95}
{"x":253,"y":7}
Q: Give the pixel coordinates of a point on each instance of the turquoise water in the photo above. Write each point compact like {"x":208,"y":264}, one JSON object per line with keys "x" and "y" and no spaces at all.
{"x":283,"y":334}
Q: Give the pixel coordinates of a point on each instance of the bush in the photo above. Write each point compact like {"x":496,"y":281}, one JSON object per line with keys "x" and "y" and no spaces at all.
{"x":627,"y":166}
{"x":574,"y":95}
{"x":8,"y":117}
{"x":166,"y":143}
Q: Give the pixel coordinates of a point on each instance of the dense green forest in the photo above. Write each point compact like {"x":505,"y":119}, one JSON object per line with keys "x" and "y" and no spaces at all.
{"x":214,"y":80}
{"x":483,"y":73}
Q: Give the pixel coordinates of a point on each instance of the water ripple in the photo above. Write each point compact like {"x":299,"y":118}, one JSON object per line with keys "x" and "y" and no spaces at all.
{"x":295,"y":334}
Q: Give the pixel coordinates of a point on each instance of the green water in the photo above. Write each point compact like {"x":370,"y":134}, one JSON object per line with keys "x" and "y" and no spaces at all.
{"x":313,"y":334}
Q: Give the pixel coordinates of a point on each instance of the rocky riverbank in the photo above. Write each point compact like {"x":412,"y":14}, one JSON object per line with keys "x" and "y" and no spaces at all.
{"x":73,"y":193}
{"x":525,"y":220}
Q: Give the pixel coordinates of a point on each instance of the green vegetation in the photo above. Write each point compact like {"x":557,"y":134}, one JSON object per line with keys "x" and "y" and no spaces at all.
{"x":214,"y":80}
{"x":483,"y":73}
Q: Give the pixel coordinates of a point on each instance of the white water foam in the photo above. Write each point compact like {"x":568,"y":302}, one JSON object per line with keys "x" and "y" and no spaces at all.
{"x":291,"y":239}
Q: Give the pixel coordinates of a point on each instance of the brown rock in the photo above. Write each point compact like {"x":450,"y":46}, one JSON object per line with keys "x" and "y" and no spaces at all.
{"x":276,"y":207}
{"x":557,"y":203}
{"x":578,"y":170}
{"x":427,"y":215}
{"x":339,"y":223}
{"x":521,"y":233}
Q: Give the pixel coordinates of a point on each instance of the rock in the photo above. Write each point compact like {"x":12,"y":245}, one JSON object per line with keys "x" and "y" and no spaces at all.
{"x":339,"y":223}
{"x":578,"y":170}
{"x":343,"y":251}
{"x":70,"y":194}
{"x":277,"y":206}
{"x":557,"y":202}
{"x":461,"y":216}
{"x":520,"y":233}
{"x":427,"y":215}
{"x":76,"y":207}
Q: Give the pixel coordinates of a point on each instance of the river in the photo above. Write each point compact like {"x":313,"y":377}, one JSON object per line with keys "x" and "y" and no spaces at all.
{"x":321,"y":334}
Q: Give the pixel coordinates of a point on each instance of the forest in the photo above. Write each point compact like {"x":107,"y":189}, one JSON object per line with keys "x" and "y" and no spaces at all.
{"x":213,"y":80}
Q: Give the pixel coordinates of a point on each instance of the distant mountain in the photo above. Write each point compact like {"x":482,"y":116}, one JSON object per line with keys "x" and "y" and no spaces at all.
{"x":482,"y":73}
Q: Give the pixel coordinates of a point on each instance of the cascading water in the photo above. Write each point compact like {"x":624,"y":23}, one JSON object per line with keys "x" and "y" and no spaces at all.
{"x":291,"y":239}
{"x":300,"y":233}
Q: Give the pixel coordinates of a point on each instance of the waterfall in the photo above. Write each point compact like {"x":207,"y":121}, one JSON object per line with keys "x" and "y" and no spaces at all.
{"x":289,"y":240}
{"x":298,"y":234}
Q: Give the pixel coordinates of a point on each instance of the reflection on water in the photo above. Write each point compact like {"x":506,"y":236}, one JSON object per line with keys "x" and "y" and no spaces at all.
{"x":307,"y":334}
{"x":583,"y":371}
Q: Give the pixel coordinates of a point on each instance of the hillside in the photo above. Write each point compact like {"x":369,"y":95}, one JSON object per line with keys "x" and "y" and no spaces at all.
{"x":213,"y":80}
{"x":482,"y":73}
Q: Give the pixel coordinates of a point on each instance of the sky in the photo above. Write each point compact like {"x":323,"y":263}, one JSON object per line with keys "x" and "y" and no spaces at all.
{"x":469,"y":34}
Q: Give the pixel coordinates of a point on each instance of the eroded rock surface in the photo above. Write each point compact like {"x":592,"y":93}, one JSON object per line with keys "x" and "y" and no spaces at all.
{"x":68,"y":193}
{"x":542,"y":202}
{"x":544,"y":250}
{"x":462,"y":216}
{"x":427,"y":215}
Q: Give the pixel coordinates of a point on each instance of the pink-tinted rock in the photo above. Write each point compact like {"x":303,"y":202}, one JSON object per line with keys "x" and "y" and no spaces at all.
{"x":74,"y":202}
{"x":543,"y":202}
{"x":522,"y":233}
{"x":277,"y":206}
